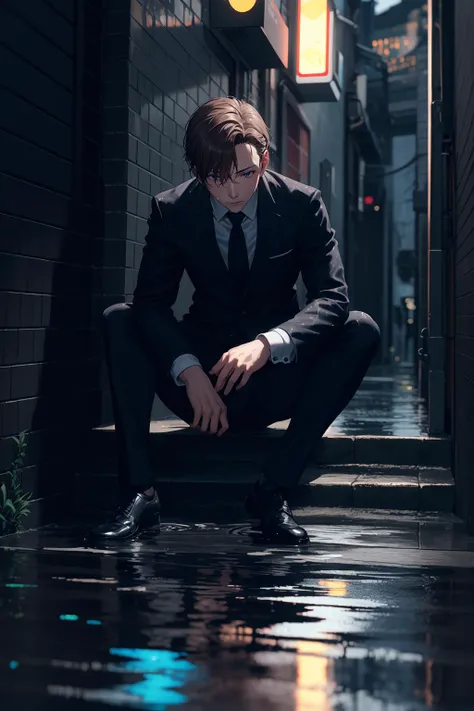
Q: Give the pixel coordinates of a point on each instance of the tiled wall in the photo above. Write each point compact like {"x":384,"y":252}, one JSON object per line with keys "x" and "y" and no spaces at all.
{"x":50,"y":219}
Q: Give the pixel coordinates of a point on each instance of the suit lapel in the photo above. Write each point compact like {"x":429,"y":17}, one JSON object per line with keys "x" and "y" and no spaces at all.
{"x":269,"y":223}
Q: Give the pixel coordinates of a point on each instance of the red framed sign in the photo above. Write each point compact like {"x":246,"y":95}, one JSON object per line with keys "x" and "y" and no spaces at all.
{"x":314,"y":58}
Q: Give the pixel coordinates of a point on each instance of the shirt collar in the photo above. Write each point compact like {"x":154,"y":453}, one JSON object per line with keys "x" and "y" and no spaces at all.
{"x":250,"y":209}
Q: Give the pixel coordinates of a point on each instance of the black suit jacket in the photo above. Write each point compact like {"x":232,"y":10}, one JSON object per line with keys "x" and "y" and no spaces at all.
{"x":294,"y":235}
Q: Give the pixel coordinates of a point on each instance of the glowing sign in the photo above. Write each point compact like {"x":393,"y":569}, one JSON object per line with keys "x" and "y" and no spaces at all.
{"x":314,"y":41}
{"x":242,"y":5}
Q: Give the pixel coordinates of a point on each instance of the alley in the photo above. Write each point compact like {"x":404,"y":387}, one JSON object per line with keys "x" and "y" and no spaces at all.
{"x":286,"y":190}
{"x":377,"y":614}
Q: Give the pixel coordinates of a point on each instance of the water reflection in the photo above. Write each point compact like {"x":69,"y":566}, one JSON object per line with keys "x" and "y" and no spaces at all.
{"x":190,"y":621}
{"x":161,"y":673}
{"x":314,"y":678}
{"x":385,"y":405}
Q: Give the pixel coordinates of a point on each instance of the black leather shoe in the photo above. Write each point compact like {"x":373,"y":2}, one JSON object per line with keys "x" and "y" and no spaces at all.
{"x":277,"y":522}
{"x":141,"y":513}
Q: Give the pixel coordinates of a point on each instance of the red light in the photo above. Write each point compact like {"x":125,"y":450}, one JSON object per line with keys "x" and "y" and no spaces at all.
{"x":369,"y":200}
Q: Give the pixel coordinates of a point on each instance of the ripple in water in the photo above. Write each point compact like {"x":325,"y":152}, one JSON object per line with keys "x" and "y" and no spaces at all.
{"x":241,"y":529}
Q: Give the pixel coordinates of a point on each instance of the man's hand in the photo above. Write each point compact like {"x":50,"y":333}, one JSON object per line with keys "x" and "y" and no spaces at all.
{"x":209,"y":410}
{"x":240,"y":362}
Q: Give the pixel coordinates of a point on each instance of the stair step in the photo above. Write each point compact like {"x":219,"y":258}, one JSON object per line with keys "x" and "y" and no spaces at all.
{"x":173,"y":440}
{"x":403,"y":473}
{"x":401,"y":488}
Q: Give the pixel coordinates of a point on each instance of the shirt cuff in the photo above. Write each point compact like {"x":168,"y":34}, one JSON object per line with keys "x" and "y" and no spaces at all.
{"x":181,"y":363}
{"x":282,"y":348}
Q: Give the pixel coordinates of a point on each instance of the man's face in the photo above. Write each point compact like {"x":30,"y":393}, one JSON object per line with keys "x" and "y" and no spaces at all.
{"x":237,"y":191}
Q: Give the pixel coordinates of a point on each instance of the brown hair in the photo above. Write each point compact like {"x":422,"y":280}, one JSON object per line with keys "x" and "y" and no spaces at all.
{"x":213,"y":131}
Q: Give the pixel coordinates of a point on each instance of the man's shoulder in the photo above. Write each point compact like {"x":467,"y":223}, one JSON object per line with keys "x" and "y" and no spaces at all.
{"x":280,"y":186}
{"x":179,"y":195}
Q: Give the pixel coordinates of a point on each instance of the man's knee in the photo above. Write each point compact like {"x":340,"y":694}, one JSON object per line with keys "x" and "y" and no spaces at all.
{"x":368,"y":331}
{"x":115,"y":314}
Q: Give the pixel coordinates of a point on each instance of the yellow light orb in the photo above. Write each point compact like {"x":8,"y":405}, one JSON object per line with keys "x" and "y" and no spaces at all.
{"x":242,"y":5}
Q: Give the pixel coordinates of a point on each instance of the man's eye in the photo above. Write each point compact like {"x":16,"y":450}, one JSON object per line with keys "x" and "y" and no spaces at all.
{"x":248,"y":174}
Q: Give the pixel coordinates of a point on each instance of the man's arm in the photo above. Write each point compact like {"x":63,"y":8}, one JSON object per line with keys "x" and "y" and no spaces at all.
{"x":327,"y":303}
{"x":157,"y":287}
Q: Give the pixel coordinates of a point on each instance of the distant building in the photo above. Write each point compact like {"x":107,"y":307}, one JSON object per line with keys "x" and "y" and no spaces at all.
{"x":400,"y":38}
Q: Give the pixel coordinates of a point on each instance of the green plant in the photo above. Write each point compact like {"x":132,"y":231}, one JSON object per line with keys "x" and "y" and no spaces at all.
{"x":14,"y":502}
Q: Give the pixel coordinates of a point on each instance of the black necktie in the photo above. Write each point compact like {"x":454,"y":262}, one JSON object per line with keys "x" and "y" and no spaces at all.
{"x":238,"y":257}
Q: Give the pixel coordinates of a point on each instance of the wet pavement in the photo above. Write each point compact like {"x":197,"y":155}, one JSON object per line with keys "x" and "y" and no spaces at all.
{"x":376,"y":614}
{"x":386,"y":404}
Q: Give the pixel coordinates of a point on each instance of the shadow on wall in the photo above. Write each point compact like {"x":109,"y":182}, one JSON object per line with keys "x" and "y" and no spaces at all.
{"x":70,"y":378}
{"x":68,"y":402}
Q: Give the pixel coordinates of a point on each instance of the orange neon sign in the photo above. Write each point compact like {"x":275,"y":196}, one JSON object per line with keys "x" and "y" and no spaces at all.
{"x":313,"y":40}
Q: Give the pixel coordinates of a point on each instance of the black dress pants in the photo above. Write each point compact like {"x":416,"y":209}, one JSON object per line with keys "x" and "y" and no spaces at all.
{"x":312,"y":394}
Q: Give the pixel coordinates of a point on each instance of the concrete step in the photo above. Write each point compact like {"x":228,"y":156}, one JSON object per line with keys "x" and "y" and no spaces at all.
{"x":173,"y":440}
{"x":366,"y":486}
{"x":363,"y":472}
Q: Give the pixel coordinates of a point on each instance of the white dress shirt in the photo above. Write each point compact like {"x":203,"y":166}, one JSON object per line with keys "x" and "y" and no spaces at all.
{"x":282,"y":348}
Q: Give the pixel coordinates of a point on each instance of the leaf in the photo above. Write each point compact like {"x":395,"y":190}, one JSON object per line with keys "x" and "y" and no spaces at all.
{"x":16,"y":489}
{"x":9,"y":506}
{"x":16,"y":504}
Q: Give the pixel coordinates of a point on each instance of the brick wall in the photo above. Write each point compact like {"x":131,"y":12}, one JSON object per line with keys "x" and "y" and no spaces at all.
{"x":50,"y":218}
{"x":464,"y":258}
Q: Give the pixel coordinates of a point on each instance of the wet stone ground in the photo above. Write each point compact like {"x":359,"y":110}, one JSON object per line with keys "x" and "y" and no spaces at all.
{"x":386,"y":404}
{"x":376,"y":614}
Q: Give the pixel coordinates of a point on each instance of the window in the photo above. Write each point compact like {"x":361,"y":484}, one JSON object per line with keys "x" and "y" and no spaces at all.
{"x":297,"y":147}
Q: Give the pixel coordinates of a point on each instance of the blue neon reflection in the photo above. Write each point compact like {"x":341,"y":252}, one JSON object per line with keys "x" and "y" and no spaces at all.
{"x":164,"y":672}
